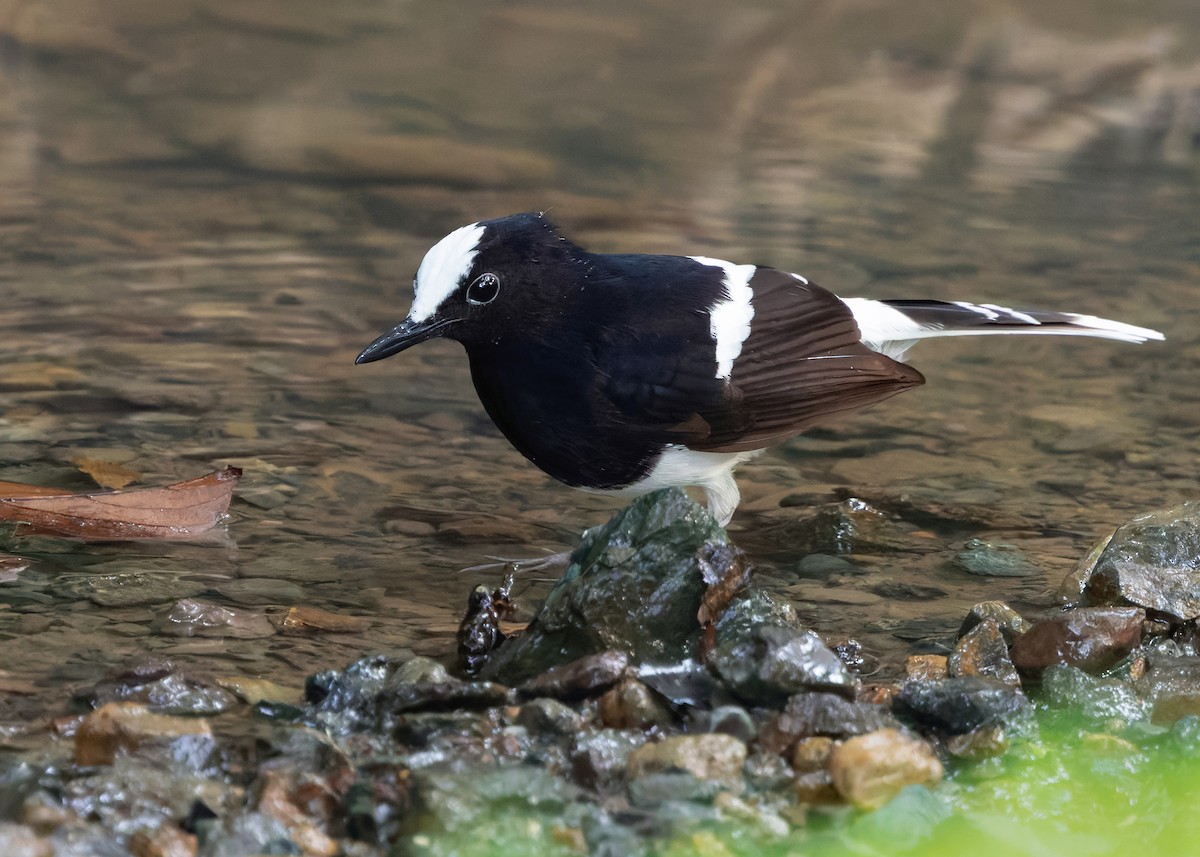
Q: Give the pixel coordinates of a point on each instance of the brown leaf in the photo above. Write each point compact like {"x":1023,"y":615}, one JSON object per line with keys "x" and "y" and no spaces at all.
{"x":179,"y":511}
{"x":108,"y":474}
{"x":726,"y":570}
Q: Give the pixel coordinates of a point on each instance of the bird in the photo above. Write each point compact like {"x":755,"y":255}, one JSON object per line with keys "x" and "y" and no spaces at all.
{"x":625,"y":373}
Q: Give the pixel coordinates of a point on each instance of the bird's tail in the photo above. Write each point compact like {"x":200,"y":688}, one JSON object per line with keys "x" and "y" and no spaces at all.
{"x":892,"y":327}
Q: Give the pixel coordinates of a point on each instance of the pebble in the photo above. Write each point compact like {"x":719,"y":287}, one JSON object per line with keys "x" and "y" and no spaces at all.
{"x":584,"y":677}
{"x":982,"y":651}
{"x":1091,"y":638}
{"x":194,"y":617}
{"x":869,"y":770}
{"x":926,"y":667}
{"x":1009,"y":620}
{"x":549,"y":716}
{"x":1172,"y":686}
{"x":958,"y":705}
{"x":810,"y":714}
{"x":129,"y":727}
{"x":632,"y":705}
{"x":599,"y":759}
{"x":993,"y":560}
{"x":713,"y":757}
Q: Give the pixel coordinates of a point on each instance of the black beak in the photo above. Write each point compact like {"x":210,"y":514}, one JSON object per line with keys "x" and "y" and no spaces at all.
{"x":407,"y":333}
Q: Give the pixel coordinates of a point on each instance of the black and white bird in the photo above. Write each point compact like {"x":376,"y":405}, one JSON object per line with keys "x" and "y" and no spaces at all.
{"x":626,"y":373}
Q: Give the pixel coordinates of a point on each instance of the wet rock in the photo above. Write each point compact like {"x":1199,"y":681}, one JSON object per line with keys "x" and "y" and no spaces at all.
{"x":725,"y":719}
{"x":821,"y":714}
{"x":1009,"y":620}
{"x":993,"y":560}
{"x":582,"y":678}
{"x":257,"y":690}
{"x":599,"y":759}
{"x":193,"y":617}
{"x":632,"y":705}
{"x":442,"y":731}
{"x":281,"y":797}
{"x":1152,"y":561}
{"x":764,"y":655}
{"x":850,"y":652}
{"x":958,"y":705}
{"x":813,"y":782}
{"x":686,"y":683}
{"x":175,"y":694}
{"x":634,"y":584}
{"x":1108,"y":701}
{"x":926,"y":667}
{"x":767,"y":772}
{"x":846,"y":527}
{"x":137,"y":589}
{"x":372,"y":691}
{"x":1091,"y":638}
{"x":707,"y":757}
{"x":1172,"y":688}
{"x":983,"y":652}
{"x":366,"y":678}
{"x":549,"y":717}
{"x":479,"y":633}
{"x":869,"y":770}
{"x":130,"y":727}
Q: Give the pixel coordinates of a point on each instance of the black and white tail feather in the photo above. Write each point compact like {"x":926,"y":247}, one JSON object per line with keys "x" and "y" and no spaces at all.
{"x":892,"y":327}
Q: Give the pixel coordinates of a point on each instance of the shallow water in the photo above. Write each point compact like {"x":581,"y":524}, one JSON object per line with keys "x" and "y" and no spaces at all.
{"x":208,"y":208}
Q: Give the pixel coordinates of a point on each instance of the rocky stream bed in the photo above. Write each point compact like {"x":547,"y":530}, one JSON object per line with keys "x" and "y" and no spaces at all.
{"x":658,"y":702}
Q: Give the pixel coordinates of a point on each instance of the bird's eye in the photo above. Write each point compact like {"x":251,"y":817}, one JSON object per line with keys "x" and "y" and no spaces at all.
{"x":484,"y":289}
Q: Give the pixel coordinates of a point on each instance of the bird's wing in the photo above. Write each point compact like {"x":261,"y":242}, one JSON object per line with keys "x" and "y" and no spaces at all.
{"x":801,"y":363}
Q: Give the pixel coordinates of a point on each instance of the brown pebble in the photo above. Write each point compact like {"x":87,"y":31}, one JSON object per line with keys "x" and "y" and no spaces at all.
{"x":127,"y":726}
{"x":712,"y":756}
{"x":168,"y":841}
{"x":869,"y":770}
{"x":632,"y":705}
{"x":1090,"y":638}
{"x":812,"y":754}
{"x":926,"y":667}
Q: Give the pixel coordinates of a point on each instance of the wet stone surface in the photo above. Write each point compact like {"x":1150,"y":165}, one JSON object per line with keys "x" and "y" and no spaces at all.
{"x":753,"y":721}
{"x":1152,"y":561}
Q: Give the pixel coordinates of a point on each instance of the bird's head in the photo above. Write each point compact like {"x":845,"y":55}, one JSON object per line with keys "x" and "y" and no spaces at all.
{"x":482,"y":282}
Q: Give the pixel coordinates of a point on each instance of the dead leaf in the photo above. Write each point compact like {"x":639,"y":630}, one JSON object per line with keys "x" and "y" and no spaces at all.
{"x":108,"y":474}
{"x":726,"y":571}
{"x":179,"y":511}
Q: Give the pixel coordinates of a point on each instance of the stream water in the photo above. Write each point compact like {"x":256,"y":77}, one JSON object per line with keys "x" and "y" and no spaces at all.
{"x":207,"y":208}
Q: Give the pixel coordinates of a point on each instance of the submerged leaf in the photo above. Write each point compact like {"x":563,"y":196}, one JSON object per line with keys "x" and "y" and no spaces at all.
{"x":108,"y":474}
{"x":179,"y":511}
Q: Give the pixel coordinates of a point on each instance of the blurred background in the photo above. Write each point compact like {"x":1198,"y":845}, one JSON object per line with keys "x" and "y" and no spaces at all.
{"x":208,"y":207}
